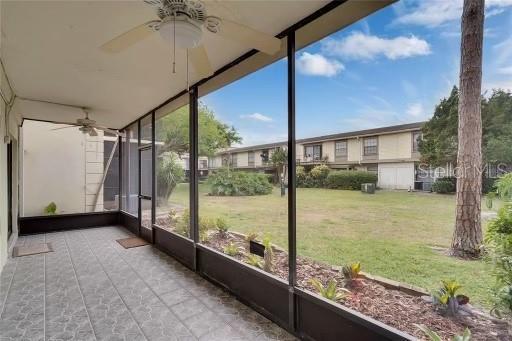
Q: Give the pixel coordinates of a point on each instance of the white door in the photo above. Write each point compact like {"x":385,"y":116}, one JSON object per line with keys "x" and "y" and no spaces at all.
{"x":396,"y":175}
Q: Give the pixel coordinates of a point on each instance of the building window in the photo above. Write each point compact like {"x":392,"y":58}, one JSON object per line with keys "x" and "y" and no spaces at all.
{"x":225,"y":160}
{"x":250,"y":159}
{"x":203,"y":164}
{"x":234,"y":161}
{"x":264,"y":156}
{"x":313,"y":153}
{"x":341,"y":149}
{"x":416,"y":138}
{"x":370,"y":146}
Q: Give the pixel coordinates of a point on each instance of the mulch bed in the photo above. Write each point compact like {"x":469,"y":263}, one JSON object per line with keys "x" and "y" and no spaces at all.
{"x":392,"y":307}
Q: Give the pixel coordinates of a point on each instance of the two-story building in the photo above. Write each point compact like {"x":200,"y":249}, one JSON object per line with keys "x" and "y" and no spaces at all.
{"x":391,"y":152}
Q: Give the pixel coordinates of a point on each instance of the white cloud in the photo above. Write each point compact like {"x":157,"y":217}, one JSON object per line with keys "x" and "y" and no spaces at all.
{"x":317,"y":65}
{"x":507,"y":70}
{"x":257,"y":117}
{"x":415,"y":110}
{"x":363,"y":46}
{"x":434,"y":13}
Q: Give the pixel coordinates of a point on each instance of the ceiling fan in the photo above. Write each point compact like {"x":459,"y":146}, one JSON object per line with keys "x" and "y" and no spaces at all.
{"x":182,"y":22}
{"x":88,"y":126}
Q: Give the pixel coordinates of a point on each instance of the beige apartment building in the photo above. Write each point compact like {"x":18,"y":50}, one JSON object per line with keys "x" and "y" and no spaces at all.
{"x":391,"y":152}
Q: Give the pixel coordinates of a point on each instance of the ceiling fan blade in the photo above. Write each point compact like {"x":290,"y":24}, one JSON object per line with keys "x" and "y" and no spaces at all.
{"x":200,"y":61}
{"x":130,"y":37}
{"x":108,"y":130}
{"x":249,"y":37}
{"x":93,"y":132}
{"x":66,"y":127}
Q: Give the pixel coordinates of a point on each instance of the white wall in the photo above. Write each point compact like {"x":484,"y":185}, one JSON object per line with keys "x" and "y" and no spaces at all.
{"x":63,"y":166}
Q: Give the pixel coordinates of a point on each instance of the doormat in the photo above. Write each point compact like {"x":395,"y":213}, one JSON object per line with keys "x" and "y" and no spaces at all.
{"x":33,"y":249}
{"x":128,"y":243}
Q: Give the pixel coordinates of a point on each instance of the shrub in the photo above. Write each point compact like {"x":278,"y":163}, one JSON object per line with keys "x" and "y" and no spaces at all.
{"x":169,"y":174}
{"x":51,"y":209}
{"x":222,"y":226}
{"x":444,"y":185}
{"x":302,"y":177}
{"x":498,"y":240}
{"x":318,"y":175}
{"x":504,"y":186}
{"x":183,"y":224}
{"x":225,"y":182}
{"x":351,"y":180}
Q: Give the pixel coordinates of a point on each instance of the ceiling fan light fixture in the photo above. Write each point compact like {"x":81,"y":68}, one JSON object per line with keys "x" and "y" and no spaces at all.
{"x":188,"y":33}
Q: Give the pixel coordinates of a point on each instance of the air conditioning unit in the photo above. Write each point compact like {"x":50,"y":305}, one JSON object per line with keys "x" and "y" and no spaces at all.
{"x":368,"y":188}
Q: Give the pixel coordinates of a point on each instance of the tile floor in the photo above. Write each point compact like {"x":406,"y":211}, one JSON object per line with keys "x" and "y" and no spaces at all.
{"x":91,"y":288}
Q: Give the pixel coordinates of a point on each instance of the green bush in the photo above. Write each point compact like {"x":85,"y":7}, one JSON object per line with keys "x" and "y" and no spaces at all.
{"x":504,"y":187}
{"x":169,"y":174}
{"x":318,"y":175}
{"x":498,"y":240}
{"x":225,"y":182}
{"x":444,"y":185}
{"x":349,"y":179}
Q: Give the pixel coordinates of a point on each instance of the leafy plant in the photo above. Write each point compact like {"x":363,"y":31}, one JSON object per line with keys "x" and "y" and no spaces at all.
{"x":433,"y":336}
{"x":504,"y":187}
{"x":254,"y":260}
{"x":268,"y":258}
{"x":225,"y":182}
{"x":222,"y":226}
{"x":169,"y":174}
{"x":231,"y":249}
{"x":446,"y":297}
{"x":318,"y":175}
{"x":205,"y":225}
{"x":331,"y":292}
{"x":51,"y":209}
{"x":351,"y":273}
{"x":498,"y":241}
{"x":444,"y":185}
{"x":183,"y":224}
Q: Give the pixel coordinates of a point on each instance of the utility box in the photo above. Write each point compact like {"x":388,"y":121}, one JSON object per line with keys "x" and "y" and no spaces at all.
{"x":368,"y":188}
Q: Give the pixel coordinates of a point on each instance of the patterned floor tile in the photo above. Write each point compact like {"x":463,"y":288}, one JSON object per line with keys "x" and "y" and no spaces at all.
{"x":90,"y":288}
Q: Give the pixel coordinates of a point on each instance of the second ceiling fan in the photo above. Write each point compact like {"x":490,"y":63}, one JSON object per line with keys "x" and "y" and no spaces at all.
{"x":182,"y":22}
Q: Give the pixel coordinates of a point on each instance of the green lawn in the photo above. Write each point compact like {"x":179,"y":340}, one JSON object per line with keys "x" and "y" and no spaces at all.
{"x":391,"y":233}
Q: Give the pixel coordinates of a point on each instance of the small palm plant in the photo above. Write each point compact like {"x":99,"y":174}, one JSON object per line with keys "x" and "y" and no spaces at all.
{"x":447,"y":297}
{"x":222,"y":226}
{"x":232,"y":249}
{"x":254,"y":260}
{"x":331,"y":292}
{"x":351,"y":273}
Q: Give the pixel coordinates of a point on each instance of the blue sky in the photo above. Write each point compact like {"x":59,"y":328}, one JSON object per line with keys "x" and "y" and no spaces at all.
{"x":390,"y":68}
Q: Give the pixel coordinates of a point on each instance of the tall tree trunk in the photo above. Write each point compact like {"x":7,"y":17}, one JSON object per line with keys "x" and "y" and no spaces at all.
{"x":467,"y":237}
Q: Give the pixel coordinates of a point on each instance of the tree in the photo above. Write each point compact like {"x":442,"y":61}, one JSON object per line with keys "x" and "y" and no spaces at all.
{"x":467,"y":236}
{"x":214,"y":135}
{"x":440,"y":138}
{"x":279,"y":159}
{"x":169,"y":174}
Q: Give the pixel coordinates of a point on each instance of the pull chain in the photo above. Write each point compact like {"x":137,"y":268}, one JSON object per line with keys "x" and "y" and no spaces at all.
{"x":174,"y":45}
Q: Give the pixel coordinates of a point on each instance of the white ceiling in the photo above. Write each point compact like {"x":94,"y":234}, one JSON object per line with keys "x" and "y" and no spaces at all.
{"x":50,"y":51}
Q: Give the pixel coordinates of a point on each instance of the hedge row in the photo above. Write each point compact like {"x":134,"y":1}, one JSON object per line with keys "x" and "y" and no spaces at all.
{"x":447,"y":184}
{"x":225,"y":182}
{"x":322,"y":177}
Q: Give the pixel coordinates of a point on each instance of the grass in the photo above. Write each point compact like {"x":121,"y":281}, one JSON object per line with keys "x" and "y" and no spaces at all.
{"x":393,"y":234}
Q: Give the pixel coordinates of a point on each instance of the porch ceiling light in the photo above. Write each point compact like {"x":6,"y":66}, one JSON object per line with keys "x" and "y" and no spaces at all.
{"x":188,"y":32}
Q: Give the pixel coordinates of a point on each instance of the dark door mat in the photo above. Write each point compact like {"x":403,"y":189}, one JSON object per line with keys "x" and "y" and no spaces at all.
{"x":128,"y":243}
{"x":34,"y":249}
